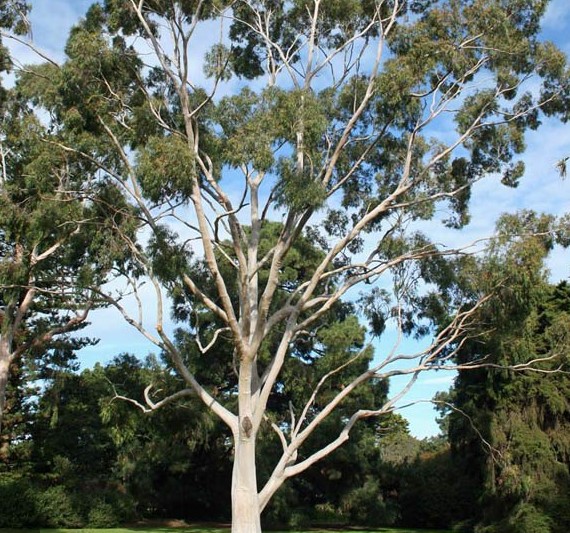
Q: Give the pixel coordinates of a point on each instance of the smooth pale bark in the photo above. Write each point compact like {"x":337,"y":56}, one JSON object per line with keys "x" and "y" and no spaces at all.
{"x":245,"y":501}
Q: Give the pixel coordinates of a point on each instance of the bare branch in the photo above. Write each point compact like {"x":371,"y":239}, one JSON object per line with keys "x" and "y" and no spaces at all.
{"x":150,"y":405}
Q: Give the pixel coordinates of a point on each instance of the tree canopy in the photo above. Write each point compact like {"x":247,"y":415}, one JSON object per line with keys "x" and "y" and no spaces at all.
{"x":513,"y":426}
{"x":306,"y":122}
{"x":57,"y":237}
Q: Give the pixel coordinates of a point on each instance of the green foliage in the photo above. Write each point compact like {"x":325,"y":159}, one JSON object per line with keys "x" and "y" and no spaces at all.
{"x":435,"y":491}
{"x":28,"y":503}
{"x":523,"y":416}
{"x":125,"y":149}
{"x":18,"y":502}
{"x":298,"y":520}
{"x":165,"y":168}
{"x":58,"y":244}
{"x":57,"y":508}
{"x":102,"y":515}
{"x":152,"y":456}
{"x":13,"y":16}
{"x":364,"y":505}
{"x":525,"y":518}
{"x":297,"y":190}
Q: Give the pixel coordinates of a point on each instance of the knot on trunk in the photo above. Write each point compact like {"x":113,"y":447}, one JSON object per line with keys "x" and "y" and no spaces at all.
{"x":247,"y":426}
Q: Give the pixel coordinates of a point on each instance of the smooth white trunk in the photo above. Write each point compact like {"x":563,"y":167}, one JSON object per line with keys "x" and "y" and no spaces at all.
{"x":245,"y":501}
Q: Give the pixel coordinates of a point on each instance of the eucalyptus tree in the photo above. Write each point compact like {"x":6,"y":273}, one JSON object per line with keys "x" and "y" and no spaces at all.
{"x":322,"y":115}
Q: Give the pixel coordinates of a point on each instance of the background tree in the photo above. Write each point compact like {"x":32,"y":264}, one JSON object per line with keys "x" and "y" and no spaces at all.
{"x":57,"y":228}
{"x":13,"y":17}
{"x":94,"y":456}
{"x":512,"y":427}
{"x":333,"y":137}
{"x":51,"y":246}
{"x":174,"y":462}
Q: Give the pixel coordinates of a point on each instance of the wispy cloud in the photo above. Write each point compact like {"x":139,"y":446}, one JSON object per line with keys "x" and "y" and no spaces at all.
{"x":440,"y":380}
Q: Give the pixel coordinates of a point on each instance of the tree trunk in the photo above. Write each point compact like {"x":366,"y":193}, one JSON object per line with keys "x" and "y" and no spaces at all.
{"x":245,"y":501}
{"x":4,"y":377}
{"x":4,"y":374}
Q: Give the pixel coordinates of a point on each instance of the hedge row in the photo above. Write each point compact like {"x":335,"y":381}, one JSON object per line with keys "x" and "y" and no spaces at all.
{"x":25,"y":504}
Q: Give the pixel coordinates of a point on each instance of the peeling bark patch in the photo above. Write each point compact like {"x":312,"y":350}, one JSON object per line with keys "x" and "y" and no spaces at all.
{"x":247,"y":426}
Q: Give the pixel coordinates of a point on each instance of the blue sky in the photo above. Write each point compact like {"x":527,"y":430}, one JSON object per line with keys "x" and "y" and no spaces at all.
{"x":541,"y":190}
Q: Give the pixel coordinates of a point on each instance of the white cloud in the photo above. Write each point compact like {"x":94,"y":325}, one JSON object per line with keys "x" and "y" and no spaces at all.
{"x":440,"y":380}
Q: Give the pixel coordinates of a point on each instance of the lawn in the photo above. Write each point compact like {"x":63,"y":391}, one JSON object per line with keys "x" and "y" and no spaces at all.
{"x":209,"y":530}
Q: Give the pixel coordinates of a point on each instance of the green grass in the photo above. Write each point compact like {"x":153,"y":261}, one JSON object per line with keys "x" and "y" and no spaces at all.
{"x":209,"y":530}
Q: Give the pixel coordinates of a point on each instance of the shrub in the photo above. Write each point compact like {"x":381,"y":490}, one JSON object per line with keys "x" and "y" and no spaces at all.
{"x":366,"y":506}
{"x":56,"y":508}
{"x":109,"y":508}
{"x":17,"y":502}
{"x":529,"y":519}
{"x":299,"y":520}
{"x":326,"y":514}
{"x":278,"y":512}
{"x":103,"y":515}
{"x":525,"y":518}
